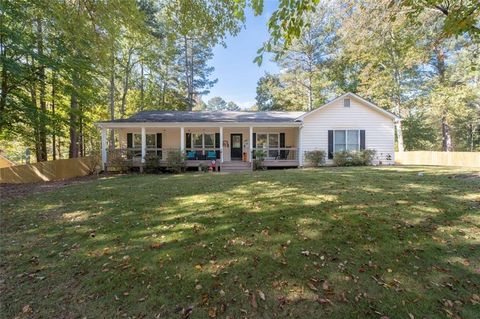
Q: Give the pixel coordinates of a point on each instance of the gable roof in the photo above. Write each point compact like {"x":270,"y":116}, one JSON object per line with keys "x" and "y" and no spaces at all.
{"x":355,"y":96}
{"x":220,"y":116}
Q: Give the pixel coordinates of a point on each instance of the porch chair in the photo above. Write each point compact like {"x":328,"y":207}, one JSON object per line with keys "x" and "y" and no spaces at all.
{"x":211,"y":155}
{"x":191,"y":155}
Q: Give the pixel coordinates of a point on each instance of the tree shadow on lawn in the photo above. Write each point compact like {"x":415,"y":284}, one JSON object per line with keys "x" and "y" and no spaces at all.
{"x":339,"y":243}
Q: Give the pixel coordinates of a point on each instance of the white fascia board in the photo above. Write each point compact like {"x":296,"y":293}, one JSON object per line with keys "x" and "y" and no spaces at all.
{"x":193,"y":124}
{"x":355,"y":96}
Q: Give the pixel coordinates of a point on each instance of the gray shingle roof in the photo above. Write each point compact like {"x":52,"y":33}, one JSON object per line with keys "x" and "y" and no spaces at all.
{"x":179,"y":116}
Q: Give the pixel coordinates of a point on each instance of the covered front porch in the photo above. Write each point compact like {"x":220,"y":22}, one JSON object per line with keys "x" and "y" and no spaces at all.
{"x":201,"y":144}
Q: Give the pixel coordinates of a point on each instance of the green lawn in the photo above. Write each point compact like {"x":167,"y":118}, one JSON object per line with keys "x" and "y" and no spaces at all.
{"x":332,"y":242}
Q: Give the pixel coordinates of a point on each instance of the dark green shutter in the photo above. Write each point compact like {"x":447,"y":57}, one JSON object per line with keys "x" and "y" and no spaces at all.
{"x":283,"y":153}
{"x":282,"y":139}
{"x":330,"y":144}
{"x":254,"y":144}
{"x":362,"y":140}
{"x":188,"y":140}
{"x":217,"y":140}
{"x":129,"y":140}
{"x":159,"y":140}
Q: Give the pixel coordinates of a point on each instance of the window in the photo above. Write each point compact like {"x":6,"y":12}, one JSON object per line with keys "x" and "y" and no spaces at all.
{"x":346,"y":140}
{"x":151,"y":140}
{"x":203,"y":140}
{"x":262,"y":141}
{"x":270,"y":141}
{"x":197,"y":140}
{"x":209,"y":140}
{"x":346,"y":102}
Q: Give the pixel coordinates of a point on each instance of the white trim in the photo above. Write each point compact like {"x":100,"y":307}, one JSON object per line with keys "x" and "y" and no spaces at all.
{"x":144,"y":145}
{"x":194,"y":124}
{"x":250,"y":144}
{"x":221,"y":144}
{"x":182,"y":139}
{"x":104,"y":148}
{"x":300,"y":146}
{"x":355,"y":96}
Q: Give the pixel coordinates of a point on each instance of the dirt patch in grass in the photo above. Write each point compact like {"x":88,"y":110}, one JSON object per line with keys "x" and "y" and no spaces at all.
{"x":9,"y":191}
{"x":466,"y":176}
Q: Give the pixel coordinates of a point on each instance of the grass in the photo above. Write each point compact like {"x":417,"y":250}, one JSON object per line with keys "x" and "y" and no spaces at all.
{"x":332,"y":242}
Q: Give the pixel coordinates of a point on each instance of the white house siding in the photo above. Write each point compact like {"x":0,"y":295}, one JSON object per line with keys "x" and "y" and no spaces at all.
{"x":379,"y":128}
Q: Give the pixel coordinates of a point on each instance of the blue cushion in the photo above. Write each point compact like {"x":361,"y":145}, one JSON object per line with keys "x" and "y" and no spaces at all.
{"x":191,"y":154}
{"x":212,"y":154}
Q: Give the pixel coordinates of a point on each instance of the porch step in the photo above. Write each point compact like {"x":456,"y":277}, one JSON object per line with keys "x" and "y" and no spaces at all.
{"x":235,"y":166}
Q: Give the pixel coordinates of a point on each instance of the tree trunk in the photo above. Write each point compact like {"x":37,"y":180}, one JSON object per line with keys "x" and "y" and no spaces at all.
{"x":187,"y":74}
{"x":42,"y":130}
{"x":447,"y":144}
{"x":125,"y":84}
{"x":112,"y":99}
{"x":80,"y":132}
{"x":54,"y":128}
{"x":73,"y":123}
{"x":398,"y":126}
{"x":142,"y":88}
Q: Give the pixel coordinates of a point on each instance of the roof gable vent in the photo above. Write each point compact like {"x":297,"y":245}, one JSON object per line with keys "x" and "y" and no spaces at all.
{"x":346,"y":102}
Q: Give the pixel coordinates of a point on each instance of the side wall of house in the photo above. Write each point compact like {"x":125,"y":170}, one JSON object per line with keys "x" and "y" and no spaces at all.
{"x":379,"y":128}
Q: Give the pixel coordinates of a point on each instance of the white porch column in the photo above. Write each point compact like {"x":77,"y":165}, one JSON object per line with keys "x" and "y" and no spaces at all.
{"x":144,"y":145}
{"x":182,"y":139}
{"x":300,"y":146}
{"x":221,"y":144}
{"x":104,"y":148}
{"x":250,"y":145}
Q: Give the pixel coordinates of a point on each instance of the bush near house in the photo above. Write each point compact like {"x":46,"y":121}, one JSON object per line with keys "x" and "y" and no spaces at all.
{"x":315,"y":158}
{"x":176,"y":161}
{"x":354,"y":158}
{"x":259,"y":159}
{"x":152,"y":163}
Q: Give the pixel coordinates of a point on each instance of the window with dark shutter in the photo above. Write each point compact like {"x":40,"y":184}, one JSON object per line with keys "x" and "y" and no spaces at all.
{"x":129,"y":140}
{"x":188,"y":139}
{"x":330,"y":144}
{"x":362,"y":140}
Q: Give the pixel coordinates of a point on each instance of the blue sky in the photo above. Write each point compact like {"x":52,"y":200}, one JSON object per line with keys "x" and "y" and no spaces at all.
{"x":234,"y":68}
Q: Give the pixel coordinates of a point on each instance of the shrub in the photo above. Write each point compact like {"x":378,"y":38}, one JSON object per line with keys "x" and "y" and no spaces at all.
{"x":315,"y":158}
{"x":367,"y":156}
{"x":259,"y":158}
{"x":152,"y":163}
{"x":118,"y":161}
{"x":352,"y":158}
{"x":176,"y":161}
{"x":93,"y":163}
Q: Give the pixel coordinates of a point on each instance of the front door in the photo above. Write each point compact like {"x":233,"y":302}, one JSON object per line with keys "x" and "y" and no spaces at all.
{"x":236,"y":149}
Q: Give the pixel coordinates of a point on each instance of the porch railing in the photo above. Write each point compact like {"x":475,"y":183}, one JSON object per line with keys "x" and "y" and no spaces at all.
{"x":278,"y":153}
{"x":135,"y":154}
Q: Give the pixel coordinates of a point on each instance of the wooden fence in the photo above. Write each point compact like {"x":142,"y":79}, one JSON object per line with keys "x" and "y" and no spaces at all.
{"x":464,"y":159}
{"x":48,"y":171}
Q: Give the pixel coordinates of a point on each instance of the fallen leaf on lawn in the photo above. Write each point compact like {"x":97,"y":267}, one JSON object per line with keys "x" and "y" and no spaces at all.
{"x":253,"y":301}
{"x":27,"y":309}
{"x":198,"y":287}
{"x":212,"y":312}
{"x":305,"y":253}
{"x":311,"y":286}
{"x":325,"y":285}
{"x":156,"y":245}
{"x":261,"y":295}
{"x":325,"y":301}
{"x":198,"y":267}
{"x":411,"y":316}
{"x":222,"y":293}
